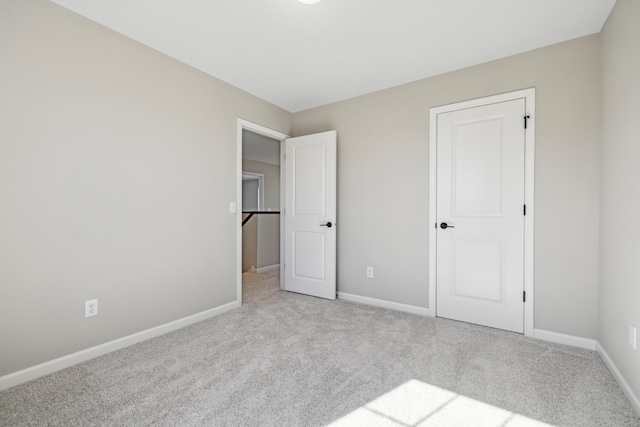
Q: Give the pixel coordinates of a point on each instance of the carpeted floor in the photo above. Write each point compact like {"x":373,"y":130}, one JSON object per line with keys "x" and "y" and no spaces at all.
{"x":284,"y":359}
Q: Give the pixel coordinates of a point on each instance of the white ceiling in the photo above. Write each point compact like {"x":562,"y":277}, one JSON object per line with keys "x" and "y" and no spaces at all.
{"x":300,"y":56}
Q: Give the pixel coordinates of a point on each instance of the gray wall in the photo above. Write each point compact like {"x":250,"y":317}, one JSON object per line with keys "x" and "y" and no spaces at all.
{"x":383,"y":158}
{"x":250,"y":194}
{"x":268,"y":226}
{"x":117,"y":165}
{"x":619,"y":302}
{"x":249,"y":243}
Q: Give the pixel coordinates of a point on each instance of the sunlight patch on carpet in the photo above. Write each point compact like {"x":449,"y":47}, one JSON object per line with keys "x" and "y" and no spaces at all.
{"x":416,"y":403}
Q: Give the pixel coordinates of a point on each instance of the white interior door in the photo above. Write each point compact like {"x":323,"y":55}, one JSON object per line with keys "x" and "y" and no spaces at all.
{"x":310,"y":215}
{"x":480,"y":228}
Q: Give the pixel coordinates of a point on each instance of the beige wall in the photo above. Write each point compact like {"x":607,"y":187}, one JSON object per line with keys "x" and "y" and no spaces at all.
{"x":619,"y":302}
{"x":383,"y":159}
{"x":249,"y":243}
{"x":268,"y":226}
{"x":117,"y":166}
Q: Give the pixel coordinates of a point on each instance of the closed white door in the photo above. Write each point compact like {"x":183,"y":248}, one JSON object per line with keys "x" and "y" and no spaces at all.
{"x":480,"y":214}
{"x":310,"y":215}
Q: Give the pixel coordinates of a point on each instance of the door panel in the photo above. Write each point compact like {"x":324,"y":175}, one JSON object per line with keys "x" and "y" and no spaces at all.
{"x":477,"y":168}
{"x":310,"y":177}
{"x":480,"y":195}
{"x":310,"y":191}
{"x":485,"y":282}
{"x":308,"y":255}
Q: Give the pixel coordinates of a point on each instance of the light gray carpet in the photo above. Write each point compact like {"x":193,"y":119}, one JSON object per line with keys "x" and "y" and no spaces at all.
{"x":284,"y":359}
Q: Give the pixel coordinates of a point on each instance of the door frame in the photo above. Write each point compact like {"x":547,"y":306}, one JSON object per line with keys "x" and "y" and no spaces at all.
{"x":243,"y":124}
{"x":529,"y":96}
{"x":260,"y":178}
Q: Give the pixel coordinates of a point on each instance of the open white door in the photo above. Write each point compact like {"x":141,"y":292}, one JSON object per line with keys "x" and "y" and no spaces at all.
{"x":310,"y":215}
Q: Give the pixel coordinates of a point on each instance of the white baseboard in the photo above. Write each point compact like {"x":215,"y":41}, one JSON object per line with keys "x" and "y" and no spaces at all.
{"x":267,"y":268}
{"x":558,"y":338}
{"x":54,"y":365}
{"x":624,"y":385}
{"x":385,"y":304}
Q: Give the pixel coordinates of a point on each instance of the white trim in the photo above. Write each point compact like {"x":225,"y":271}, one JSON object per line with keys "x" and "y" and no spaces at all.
{"x":384,"y":304}
{"x":267,"y":268}
{"x":283,"y":197}
{"x":624,"y":385}
{"x":433,"y":219}
{"x":529,"y":187}
{"x":262,"y":130}
{"x":559,"y":338}
{"x":54,"y":365}
{"x":529,"y":96}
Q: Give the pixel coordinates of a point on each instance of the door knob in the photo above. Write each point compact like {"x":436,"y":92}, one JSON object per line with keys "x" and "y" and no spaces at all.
{"x":444,"y":226}
{"x":327,"y":224}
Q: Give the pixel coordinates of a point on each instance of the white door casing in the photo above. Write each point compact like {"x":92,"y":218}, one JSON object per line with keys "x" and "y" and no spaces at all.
{"x":270,"y":133}
{"x":310,"y":215}
{"x":481,"y":264}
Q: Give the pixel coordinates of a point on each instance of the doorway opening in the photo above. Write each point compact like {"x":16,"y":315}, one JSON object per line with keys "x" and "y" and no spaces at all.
{"x":260,"y":202}
{"x":307,"y":209}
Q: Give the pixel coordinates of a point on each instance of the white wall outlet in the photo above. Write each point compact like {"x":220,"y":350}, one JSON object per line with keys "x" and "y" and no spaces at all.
{"x":632,"y":336}
{"x":232,"y":207}
{"x":370,"y":272}
{"x":91,"y":308}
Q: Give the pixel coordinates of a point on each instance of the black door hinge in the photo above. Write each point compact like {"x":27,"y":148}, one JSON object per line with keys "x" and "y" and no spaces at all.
{"x":525,"y":121}
{"x":524,"y":296}
{"x":524,"y":209}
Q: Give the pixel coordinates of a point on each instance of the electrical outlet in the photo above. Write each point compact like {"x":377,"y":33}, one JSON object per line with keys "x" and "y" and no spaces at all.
{"x":632,"y":336}
{"x":232,"y":207}
{"x":370,"y":272}
{"x":91,"y":308}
